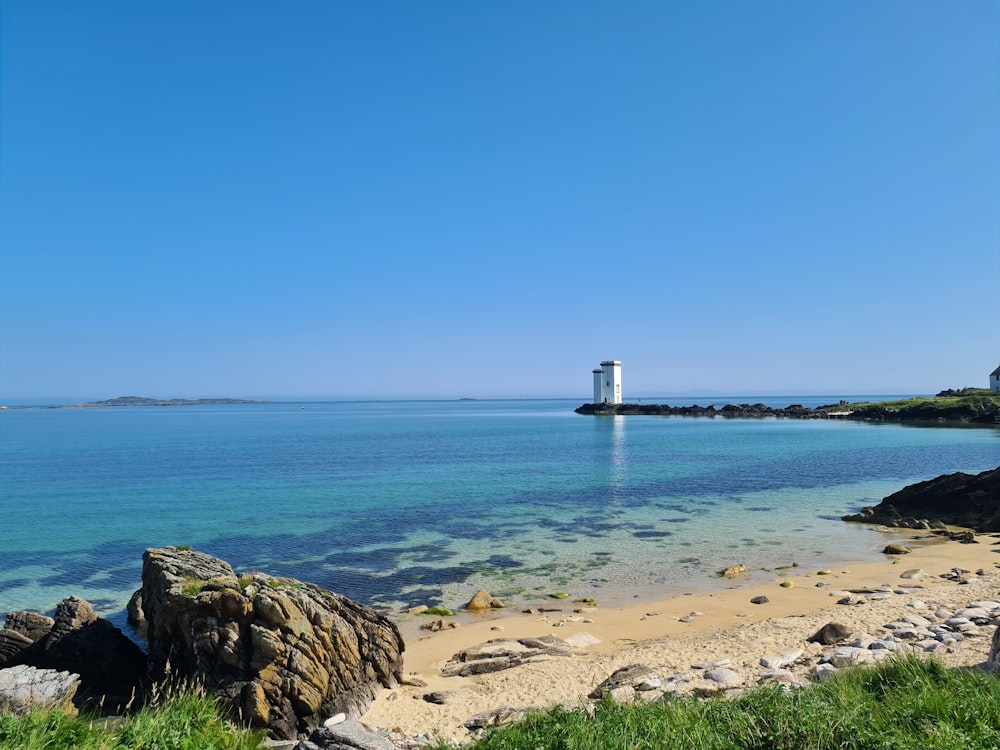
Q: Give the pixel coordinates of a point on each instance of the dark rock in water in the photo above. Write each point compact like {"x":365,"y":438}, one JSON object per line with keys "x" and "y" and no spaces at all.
{"x":829,"y":634}
{"x":133,"y":610}
{"x":283,"y":655}
{"x":968,"y":500}
{"x":110,"y":666}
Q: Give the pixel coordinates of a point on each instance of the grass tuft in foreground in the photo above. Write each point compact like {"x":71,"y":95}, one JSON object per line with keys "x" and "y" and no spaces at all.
{"x":175,"y":719}
{"x":904,"y":704}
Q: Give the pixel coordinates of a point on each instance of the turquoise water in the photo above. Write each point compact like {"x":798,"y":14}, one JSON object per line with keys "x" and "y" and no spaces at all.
{"x":399,"y":503}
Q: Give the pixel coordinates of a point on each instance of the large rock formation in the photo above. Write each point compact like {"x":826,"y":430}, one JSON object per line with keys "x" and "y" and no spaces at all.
{"x":968,"y":500}
{"x":285,"y":654}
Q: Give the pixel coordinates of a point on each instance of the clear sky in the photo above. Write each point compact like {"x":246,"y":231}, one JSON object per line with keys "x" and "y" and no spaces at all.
{"x":470,"y":199}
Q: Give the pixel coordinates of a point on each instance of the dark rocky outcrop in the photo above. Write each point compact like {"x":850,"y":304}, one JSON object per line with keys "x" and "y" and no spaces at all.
{"x":111,"y":668}
{"x":794,"y":411}
{"x":967,"y":500}
{"x":284,"y":655}
{"x":980,"y":408}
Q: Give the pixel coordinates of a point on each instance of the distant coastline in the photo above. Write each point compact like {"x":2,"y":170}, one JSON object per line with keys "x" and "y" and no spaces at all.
{"x":126,"y":401}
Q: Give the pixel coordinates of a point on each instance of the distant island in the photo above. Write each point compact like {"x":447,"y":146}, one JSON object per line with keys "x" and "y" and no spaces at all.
{"x":965,"y":405}
{"x":143,"y":401}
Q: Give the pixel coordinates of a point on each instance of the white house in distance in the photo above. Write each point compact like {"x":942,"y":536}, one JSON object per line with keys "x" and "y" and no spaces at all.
{"x":608,"y":383}
{"x":994,"y":380}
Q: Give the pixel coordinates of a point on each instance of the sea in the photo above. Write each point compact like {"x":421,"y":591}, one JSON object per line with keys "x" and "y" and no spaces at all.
{"x":400,"y":503}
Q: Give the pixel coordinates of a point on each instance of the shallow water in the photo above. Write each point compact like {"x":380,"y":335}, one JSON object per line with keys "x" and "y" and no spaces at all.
{"x":398,"y":503}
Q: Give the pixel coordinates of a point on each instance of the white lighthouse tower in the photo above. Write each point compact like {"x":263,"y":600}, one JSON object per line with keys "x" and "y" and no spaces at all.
{"x":608,"y":383}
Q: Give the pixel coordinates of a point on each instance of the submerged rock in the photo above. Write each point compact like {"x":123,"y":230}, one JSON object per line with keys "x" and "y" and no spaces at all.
{"x":283,"y":654}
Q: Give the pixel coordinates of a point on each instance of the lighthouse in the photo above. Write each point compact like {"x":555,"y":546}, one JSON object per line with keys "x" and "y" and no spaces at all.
{"x":608,"y":383}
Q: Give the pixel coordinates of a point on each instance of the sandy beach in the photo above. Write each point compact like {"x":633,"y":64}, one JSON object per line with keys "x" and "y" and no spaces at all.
{"x":679,"y":634}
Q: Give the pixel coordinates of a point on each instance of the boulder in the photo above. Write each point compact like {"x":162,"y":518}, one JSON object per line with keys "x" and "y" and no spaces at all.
{"x":24,"y":688}
{"x":29,"y":624}
{"x":829,"y":634}
{"x":634,"y":676}
{"x":733,"y":570}
{"x":896,"y":549}
{"x":968,"y":500}
{"x":504,"y":653}
{"x":347,"y":735}
{"x":482,"y":600}
{"x":281,"y":654}
{"x":993,"y":660}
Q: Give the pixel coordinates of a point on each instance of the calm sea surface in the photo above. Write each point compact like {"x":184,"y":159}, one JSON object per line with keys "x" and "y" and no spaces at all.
{"x":400,"y":503}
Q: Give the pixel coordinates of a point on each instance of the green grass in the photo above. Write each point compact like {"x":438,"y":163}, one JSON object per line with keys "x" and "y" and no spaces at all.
{"x":970,"y":397}
{"x":193,"y":586}
{"x":182,"y":719}
{"x":904,"y":704}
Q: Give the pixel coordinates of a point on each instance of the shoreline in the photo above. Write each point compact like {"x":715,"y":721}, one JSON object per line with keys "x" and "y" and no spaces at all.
{"x":727,"y":626}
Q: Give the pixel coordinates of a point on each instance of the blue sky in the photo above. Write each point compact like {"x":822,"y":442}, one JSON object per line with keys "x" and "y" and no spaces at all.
{"x":454,"y":199}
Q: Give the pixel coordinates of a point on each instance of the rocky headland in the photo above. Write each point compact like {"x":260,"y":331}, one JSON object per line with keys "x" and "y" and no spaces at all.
{"x":966,"y":406}
{"x":971,"y":501}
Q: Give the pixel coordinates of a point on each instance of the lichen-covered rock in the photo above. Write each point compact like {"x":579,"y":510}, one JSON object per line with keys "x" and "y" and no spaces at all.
{"x":284,"y":654}
{"x":24,"y":688}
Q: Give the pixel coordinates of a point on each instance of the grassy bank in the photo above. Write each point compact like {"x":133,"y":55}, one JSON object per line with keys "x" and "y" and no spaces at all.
{"x":903,"y":704}
{"x":184,"y":719}
{"x":899,"y":705}
{"x":978,"y":405}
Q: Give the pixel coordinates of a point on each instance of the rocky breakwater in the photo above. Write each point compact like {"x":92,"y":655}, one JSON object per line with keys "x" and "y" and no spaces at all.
{"x":793,"y":411}
{"x":284,"y":655}
{"x":971,"y":501}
